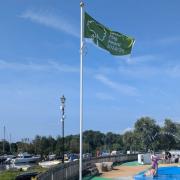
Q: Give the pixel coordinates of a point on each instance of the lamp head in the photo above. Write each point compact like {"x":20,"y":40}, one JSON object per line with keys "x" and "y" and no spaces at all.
{"x":63,"y":99}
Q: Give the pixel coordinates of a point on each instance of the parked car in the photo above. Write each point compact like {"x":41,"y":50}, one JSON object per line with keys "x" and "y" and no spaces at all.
{"x":87,"y":156}
{"x":114,"y":153}
{"x":105,"y":154}
{"x":73,"y":157}
{"x":52,"y":157}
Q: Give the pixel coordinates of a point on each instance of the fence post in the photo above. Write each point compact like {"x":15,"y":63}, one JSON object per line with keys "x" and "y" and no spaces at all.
{"x":52,"y":176}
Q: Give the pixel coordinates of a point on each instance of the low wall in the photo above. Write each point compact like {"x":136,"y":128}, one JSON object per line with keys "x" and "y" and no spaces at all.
{"x":70,"y":171}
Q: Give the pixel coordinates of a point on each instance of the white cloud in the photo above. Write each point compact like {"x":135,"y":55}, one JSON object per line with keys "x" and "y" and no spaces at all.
{"x":139,"y":71}
{"x":122,"y":88}
{"x":51,"y":20}
{"x":141,"y":59}
{"x":63,"y":67}
{"x":169,"y":70}
{"x":51,"y":65}
{"x":127,"y":129}
{"x":173,"y":71}
{"x":139,"y":67}
{"x":161,"y":42}
{"x":148,"y":66}
{"x":169,"y":40}
{"x":104,"y":96}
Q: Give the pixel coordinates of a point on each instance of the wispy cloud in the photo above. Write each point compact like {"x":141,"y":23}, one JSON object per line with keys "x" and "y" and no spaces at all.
{"x":141,"y":59}
{"x":169,"y":40}
{"x":51,"y":65}
{"x":140,"y":67}
{"x":63,"y":67}
{"x":139,"y":71}
{"x":161,"y":42}
{"x":127,"y":130}
{"x":149,"y":65}
{"x":104,"y":96}
{"x":173,"y":71}
{"x":50,"y":20}
{"x":144,"y":71}
{"x":122,"y":88}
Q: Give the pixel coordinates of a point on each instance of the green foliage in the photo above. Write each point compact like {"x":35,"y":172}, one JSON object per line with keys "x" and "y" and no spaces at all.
{"x":145,"y":135}
{"x":169,"y":132}
{"x":6,"y":147}
{"x":11,"y":174}
{"x":147,"y":130}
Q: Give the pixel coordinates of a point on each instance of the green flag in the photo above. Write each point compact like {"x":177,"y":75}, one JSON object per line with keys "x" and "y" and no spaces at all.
{"x":114,"y":42}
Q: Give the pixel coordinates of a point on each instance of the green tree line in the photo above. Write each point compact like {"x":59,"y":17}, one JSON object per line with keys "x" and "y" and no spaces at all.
{"x":146,"y":135}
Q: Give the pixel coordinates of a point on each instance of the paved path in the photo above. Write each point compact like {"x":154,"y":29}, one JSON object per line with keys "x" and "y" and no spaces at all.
{"x":128,"y":172}
{"x":124,"y":172}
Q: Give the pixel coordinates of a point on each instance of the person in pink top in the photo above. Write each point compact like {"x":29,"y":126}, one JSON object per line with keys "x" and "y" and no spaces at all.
{"x":155,"y":160}
{"x":154,"y":167}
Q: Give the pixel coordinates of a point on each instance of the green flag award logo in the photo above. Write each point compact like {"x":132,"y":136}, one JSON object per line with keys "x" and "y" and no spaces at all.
{"x":114,"y":42}
{"x":98,"y":32}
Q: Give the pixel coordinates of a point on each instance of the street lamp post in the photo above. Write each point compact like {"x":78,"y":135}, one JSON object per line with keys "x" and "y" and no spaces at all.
{"x":4,"y":140}
{"x":62,"y":121}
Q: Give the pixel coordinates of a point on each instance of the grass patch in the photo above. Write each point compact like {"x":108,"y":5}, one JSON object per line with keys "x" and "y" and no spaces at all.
{"x":11,"y":174}
{"x":100,"y":178}
{"x":132,"y":163}
{"x":95,"y":178}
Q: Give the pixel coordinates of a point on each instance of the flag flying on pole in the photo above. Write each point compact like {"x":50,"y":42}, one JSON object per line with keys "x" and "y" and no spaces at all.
{"x":114,"y":42}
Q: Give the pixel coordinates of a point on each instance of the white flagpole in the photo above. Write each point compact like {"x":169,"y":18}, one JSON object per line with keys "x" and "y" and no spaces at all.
{"x":81,"y":88}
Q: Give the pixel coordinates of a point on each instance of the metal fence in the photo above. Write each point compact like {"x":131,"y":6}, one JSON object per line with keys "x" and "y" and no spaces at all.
{"x":70,"y":171}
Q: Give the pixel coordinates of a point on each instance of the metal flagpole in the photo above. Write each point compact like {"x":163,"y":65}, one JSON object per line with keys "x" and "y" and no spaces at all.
{"x":81,"y":87}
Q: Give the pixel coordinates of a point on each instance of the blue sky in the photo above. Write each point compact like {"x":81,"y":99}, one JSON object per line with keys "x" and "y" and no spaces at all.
{"x":39,"y":61}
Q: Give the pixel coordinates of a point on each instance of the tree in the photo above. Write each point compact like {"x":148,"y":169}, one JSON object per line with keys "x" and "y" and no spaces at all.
{"x":14,"y":147}
{"x":128,"y":139}
{"x":74,"y":145}
{"x":147,"y":130}
{"x":94,"y":139}
{"x":146,"y":135}
{"x":52,"y":144}
{"x":6,"y":147}
{"x":118,"y":144}
{"x":178,"y":136}
{"x":168,"y":135}
{"x":58,"y":147}
{"x":37,"y":145}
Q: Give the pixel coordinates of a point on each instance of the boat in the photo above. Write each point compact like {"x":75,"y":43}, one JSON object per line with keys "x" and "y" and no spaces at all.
{"x":2,"y":159}
{"x":25,"y":158}
{"x":48,"y":164}
{"x":9,"y":159}
{"x":22,"y":167}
